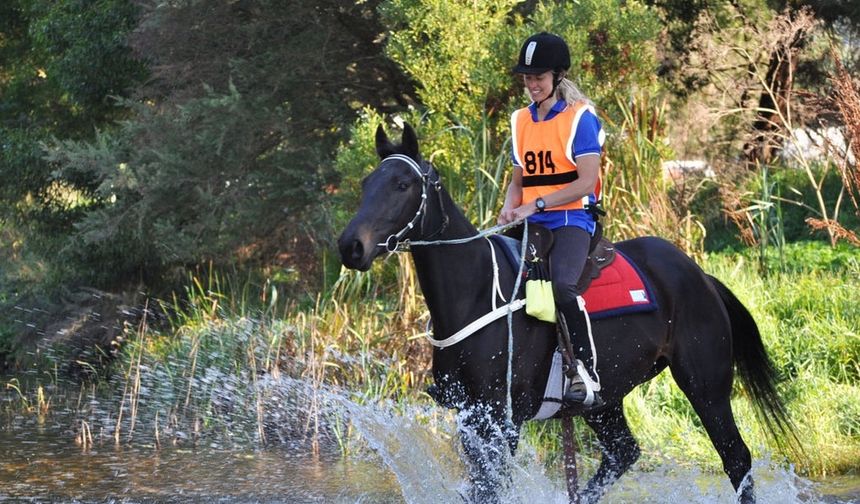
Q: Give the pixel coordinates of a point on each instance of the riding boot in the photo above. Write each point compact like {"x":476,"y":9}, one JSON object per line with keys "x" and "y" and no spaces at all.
{"x":583,"y":390}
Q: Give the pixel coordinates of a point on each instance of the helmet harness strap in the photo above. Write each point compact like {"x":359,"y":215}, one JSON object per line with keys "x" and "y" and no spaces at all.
{"x":557,"y":77}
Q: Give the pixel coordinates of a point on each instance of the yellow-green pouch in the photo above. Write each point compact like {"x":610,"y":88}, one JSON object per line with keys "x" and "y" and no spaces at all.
{"x":540,"y":303}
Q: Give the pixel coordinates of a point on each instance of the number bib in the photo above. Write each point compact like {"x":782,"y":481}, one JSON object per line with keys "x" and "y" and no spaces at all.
{"x":544,"y":150}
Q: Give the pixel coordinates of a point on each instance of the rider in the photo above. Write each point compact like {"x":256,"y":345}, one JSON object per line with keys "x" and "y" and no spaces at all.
{"x":557,"y":141}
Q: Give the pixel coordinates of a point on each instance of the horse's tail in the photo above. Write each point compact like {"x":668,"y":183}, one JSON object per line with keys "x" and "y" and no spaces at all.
{"x":758,"y":374}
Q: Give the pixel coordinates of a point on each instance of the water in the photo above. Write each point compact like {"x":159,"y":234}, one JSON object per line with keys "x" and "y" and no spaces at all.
{"x":358,"y":453}
{"x":52,"y":472}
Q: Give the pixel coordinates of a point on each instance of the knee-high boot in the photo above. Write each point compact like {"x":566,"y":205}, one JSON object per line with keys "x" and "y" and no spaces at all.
{"x":583,"y":391}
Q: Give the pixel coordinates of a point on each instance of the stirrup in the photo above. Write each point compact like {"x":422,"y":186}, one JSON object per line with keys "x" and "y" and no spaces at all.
{"x":582,"y":390}
{"x":581,"y":396}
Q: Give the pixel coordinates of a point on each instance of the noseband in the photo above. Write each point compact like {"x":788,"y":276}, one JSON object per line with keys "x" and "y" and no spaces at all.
{"x":393,"y":243}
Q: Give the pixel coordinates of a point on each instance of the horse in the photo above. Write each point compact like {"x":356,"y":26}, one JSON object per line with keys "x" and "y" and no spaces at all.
{"x":700,"y":331}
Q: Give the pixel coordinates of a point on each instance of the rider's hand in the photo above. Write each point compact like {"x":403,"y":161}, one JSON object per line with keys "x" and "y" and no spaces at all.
{"x":509,"y":215}
{"x":506,"y":216}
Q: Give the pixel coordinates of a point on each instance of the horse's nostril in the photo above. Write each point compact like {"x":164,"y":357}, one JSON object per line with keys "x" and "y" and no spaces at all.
{"x":357,"y":250}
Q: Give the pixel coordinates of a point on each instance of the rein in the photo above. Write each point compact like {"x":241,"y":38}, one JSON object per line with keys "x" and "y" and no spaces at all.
{"x":400,"y":245}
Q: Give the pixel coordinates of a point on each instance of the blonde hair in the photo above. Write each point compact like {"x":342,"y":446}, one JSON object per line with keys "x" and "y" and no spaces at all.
{"x":567,"y":91}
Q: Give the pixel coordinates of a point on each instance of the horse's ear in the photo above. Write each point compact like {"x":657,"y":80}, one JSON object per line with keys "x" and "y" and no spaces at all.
{"x":384,"y":147}
{"x":410,"y":141}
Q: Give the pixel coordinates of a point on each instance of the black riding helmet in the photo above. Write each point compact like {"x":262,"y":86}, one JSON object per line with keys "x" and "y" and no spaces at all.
{"x":543,"y":52}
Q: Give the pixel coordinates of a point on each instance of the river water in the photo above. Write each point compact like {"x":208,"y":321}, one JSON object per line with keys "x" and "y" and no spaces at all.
{"x":356,"y":453}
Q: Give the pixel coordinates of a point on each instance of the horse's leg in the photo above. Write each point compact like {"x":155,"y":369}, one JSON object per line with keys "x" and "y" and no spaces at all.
{"x":619,"y":447}
{"x":708,"y":388}
{"x":488,"y":442}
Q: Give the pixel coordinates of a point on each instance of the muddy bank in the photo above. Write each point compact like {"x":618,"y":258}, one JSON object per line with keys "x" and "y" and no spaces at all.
{"x":77,"y":333}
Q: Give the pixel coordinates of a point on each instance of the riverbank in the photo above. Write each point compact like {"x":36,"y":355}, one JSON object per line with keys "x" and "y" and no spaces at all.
{"x":205,"y":370}
{"x":403,"y":454}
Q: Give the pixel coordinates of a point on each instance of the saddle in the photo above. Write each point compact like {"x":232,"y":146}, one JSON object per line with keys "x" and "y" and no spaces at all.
{"x":601,"y":252}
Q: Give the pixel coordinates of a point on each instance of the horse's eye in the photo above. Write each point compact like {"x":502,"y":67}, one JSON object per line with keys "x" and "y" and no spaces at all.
{"x":402,"y":186}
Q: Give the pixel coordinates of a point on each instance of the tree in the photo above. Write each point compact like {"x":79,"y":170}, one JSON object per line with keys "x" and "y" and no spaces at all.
{"x":460,"y":54}
{"x":60,"y":64}
{"x":788,"y":38}
{"x":226,"y":158}
{"x":750,"y":24}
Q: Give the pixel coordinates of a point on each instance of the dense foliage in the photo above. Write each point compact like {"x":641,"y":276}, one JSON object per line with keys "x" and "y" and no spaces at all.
{"x":143,"y":139}
{"x":61,"y":63}
{"x":145,"y":145}
{"x":223,"y":148}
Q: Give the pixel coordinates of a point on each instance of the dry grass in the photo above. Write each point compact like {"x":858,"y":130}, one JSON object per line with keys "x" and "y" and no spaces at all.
{"x":833,"y":228}
{"x":637,"y":195}
{"x":847,"y":99}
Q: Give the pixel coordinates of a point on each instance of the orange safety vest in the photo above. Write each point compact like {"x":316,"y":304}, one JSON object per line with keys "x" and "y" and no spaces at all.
{"x":544,"y":150}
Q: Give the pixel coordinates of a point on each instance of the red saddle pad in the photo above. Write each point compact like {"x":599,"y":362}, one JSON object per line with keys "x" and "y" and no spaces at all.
{"x":621,"y":288}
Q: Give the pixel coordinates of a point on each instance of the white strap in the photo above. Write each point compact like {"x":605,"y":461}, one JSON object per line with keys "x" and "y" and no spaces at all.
{"x":497,"y":290}
{"x":581,"y":301}
{"x":477,"y":324}
{"x":591,"y":386}
{"x":408,"y":160}
{"x":459,"y":241}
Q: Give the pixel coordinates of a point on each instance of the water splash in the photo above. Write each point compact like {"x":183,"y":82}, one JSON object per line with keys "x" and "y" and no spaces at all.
{"x":289,"y":440}
{"x":420,"y":446}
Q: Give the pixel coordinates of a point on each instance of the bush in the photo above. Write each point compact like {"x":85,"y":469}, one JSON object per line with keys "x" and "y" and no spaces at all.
{"x":460,"y":56}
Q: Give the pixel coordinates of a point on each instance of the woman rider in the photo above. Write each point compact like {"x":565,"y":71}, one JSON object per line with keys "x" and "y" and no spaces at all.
{"x":557,"y":141}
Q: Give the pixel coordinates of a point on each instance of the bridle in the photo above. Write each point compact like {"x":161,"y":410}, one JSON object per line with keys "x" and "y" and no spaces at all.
{"x":393,"y":243}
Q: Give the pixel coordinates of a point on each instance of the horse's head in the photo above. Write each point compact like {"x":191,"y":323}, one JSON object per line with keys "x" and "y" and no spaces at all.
{"x":393,"y":203}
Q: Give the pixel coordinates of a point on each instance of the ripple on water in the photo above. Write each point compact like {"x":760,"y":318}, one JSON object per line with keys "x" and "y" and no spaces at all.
{"x":401,"y":454}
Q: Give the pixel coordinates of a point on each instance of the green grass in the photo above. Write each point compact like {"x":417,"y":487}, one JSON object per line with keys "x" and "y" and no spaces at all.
{"x":363,"y":337}
{"x":810,"y":323}
{"x":809,"y":318}
{"x":204,"y":374}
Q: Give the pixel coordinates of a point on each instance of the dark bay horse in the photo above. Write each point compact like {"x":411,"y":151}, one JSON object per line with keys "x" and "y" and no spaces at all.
{"x":700,"y":331}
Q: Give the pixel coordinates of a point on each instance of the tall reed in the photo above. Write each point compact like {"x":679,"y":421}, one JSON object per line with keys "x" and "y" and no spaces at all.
{"x":205,"y":379}
{"x":484,"y":172}
{"x":637,"y":193}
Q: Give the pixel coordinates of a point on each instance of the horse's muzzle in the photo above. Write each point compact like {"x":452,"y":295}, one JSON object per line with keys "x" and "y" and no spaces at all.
{"x":353,"y":253}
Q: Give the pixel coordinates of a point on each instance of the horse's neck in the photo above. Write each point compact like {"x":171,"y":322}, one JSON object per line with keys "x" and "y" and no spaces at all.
{"x":454,"y":278}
